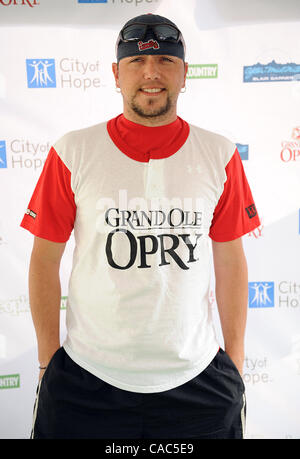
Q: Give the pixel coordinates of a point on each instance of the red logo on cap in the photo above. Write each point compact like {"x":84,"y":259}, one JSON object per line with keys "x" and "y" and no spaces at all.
{"x":148,"y":44}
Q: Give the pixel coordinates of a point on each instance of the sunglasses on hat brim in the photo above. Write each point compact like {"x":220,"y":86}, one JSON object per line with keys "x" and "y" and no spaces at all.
{"x":163,"y":32}
{"x":135,"y":32}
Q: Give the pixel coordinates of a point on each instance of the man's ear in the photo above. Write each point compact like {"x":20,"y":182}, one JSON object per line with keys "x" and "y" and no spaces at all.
{"x":115,"y":69}
{"x":186,"y":67}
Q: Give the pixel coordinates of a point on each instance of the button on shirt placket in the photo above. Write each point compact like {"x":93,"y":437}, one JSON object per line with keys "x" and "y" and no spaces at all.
{"x":154,"y":179}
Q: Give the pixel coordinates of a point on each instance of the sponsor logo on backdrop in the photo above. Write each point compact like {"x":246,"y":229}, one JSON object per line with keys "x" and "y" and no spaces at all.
{"x":30,"y":3}
{"x":63,"y":302}
{"x":92,"y":1}
{"x":256,"y":370}
{"x":243,"y":151}
{"x":132,"y":2}
{"x":10,"y":381}
{"x":296,"y":133}
{"x":289,"y":294}
{"x":197,"y":71}
{"x":20,"y":305}
{"x":3,"y":160}
{"x":271,"y":71}
{"x":41,"y":73}
{"x":26,"y":154}
{"x":261,"y":295}
{"x":290,"y":149}
{"x":257,"y":232}
{"x":69,"y":73}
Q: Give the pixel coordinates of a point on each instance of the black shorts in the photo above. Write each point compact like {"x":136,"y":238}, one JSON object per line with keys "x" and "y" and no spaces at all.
{"x":73,"y":403}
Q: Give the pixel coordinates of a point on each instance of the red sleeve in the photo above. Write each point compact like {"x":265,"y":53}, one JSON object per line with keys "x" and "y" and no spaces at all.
{"x":235,"y":213}
{"x":52,"y":209}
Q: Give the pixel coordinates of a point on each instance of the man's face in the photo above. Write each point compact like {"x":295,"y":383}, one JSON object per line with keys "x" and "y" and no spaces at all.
{"x":150,"y":86}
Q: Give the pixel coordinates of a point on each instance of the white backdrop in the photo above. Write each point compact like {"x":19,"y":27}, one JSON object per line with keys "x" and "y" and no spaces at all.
{"x":244,"y":83}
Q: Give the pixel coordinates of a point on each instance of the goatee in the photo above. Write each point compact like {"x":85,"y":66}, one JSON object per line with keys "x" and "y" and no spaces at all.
{"x":151,"y":112}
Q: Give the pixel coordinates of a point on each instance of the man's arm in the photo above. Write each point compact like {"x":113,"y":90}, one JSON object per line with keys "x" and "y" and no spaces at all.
{"x":231,"y":274}
{"x":45,"y":296}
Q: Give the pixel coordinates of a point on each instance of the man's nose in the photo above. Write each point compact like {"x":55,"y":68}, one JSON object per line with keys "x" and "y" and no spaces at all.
{"x":151,"y":69}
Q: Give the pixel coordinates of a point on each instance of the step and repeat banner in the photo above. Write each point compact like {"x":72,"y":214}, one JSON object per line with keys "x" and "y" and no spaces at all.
{"x":243,"y":82}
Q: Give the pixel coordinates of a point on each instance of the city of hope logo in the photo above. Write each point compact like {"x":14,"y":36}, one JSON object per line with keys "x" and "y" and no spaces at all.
{"x":41,"y":73}
{"x":3,"y":162}
{"x":261,"y":295}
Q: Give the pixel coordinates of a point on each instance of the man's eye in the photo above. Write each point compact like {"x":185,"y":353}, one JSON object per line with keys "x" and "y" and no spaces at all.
{"x":167,"y":59}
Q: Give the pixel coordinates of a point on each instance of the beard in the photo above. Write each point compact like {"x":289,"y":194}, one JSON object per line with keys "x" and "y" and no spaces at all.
{"x":150,"y":111}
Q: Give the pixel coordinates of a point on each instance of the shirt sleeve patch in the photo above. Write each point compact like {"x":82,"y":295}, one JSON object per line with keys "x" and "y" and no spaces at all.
{"x":251,"y":211}
{"x":31,"y":213}
{"x":51,"y":211}
{"x":235,"y":214}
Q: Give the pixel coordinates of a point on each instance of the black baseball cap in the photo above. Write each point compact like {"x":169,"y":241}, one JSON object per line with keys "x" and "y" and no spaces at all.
{"x":150,"y":34}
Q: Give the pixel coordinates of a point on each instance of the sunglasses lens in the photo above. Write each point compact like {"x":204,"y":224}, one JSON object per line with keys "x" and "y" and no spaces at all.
{"x":134,"y":32}
{"x":165,"y":32}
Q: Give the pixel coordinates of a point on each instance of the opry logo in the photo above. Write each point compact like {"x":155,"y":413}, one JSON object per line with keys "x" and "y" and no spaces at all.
{"x":290,"y":150}
{"x":30,"y":3}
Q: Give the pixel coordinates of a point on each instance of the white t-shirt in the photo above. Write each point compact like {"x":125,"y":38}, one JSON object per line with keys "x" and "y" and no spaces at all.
{"x":138,"y":313}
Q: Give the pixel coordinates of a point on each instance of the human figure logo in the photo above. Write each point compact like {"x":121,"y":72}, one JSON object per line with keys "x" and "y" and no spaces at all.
{"x":3,"y":162}
{"x":243,"y":151}
{"x":41,"y":73}
{"x":261,"y":295}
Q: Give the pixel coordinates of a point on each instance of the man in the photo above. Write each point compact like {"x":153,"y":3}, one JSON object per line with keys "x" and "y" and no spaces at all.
{"x":145,"y":193}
